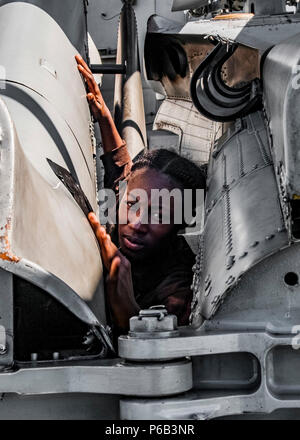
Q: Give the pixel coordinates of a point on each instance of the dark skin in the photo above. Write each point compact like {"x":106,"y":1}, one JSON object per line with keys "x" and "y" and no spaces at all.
{"x":138,"y":241}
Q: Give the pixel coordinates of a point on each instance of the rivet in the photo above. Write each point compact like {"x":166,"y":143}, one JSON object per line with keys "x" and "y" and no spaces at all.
{"x":230,"y":280}
{"x":243,"y":255}
{"x":208,"y":291}
{"x":230,"y":262}
{"x":215,"y":300}
{"x":254,"y":244}
{"x":270,"y":237}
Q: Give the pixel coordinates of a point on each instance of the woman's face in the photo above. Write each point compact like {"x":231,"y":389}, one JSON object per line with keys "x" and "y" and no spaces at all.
{"x":143,"y":227}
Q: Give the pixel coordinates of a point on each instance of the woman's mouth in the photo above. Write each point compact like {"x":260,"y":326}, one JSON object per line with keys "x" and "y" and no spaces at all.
{"x":132,"y":244}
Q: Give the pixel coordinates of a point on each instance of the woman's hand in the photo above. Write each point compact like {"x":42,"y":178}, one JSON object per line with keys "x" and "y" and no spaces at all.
{"x":108,"y":249}
{"x":94,"y":96}
{"x":111,"y":138}
{"x":119,"y":280}
{"x":120,"y":293}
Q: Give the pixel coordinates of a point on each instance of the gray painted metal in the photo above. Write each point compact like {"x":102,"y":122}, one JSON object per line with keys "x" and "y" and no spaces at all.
{"x":245,"y":309}
{"x":154,"y":322}
{"x":52,"y":285}
{"x":241,"y":182}
{"x":199,"y":344}
{"x":74,"y":406}
{"x":265,"y":7}
{"x":263,"y":299}
{"x":261,"y":7}
{"x":281,"y":85}
{"x":6,"y":320}
{"x":258,"y":32}
{"x":70,"y":15}
{"x":44,"y":95}
{"x":105,"y":377}
{"x":129,"y":112}
{"x":278,"y":388}
{"x":180,"y":5}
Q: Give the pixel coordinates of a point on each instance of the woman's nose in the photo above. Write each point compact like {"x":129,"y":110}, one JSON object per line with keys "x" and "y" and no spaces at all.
{"x":138,"y":222}
{"x":138,"y":226}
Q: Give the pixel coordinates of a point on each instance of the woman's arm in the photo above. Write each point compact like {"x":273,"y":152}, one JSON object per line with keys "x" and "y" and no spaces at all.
{"x":119,"y":286}
{"x":116,"y":159}
{"x":110,"y":135}
{"x":120,"y":294}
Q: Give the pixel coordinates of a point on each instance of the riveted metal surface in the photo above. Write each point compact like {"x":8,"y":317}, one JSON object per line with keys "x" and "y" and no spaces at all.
{"x":263,"y":299}
{"x":281,"y":85}
{"x":259,"y":32}
{"x":244,"y":222}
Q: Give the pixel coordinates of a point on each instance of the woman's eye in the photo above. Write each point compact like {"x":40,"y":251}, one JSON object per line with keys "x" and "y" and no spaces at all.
{"x":130,"y":204}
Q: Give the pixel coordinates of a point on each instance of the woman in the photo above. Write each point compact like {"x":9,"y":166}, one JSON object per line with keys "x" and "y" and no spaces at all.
{"x":147,"y":263}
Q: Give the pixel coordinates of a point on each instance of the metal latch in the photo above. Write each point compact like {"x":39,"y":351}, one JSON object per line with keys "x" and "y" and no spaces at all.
{"x":158,"y":312}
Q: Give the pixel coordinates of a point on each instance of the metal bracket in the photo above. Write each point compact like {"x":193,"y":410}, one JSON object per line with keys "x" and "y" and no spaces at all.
{"x":114,"y":69}
{"x":101,"y":377}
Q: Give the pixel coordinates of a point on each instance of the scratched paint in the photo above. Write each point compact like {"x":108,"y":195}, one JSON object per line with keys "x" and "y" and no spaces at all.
{"x":5,"y":249}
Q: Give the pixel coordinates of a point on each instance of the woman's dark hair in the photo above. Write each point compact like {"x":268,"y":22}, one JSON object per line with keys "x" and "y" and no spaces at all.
{"x":185,"y":173}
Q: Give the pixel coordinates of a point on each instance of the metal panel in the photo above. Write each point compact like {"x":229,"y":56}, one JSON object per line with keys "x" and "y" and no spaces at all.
{"x":241,"y":182}
{"x":48,"y":69}
{"x":181,"y":5}
{"x":129,"y":112}
{"x":281,"y":85}
{"x":70,"y":16}
{"x":258,"y":32}
{"x":265,"y":7}
{"x":40,"y":220}
{"x":46,"y":101}
{"x":196,"y":133}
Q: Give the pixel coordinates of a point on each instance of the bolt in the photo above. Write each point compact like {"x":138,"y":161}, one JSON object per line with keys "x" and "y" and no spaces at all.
{"x":269,"y":237}
{"x":230,"y":262}
{"x":230,"y":280}
{"x":208,"y":291}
